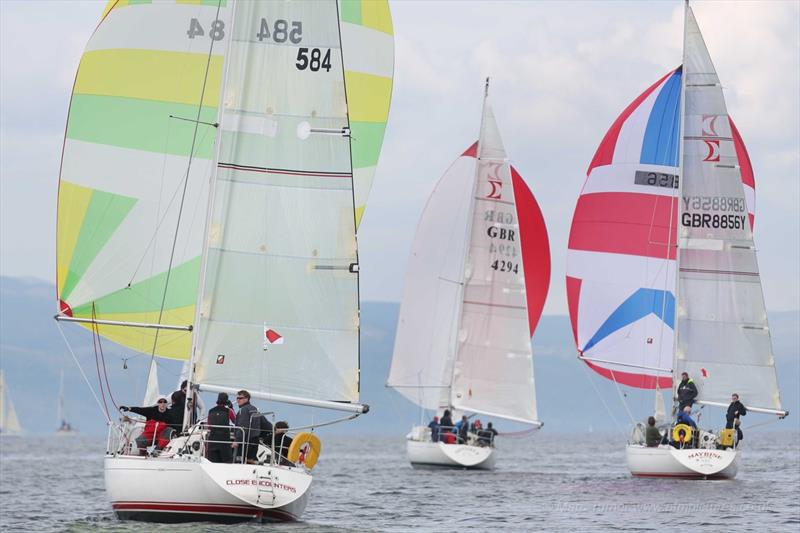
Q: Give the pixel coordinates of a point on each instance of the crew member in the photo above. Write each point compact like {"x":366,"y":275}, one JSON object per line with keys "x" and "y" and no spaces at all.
{"x":218,"y":448}
{"x":687,"y":391}
{"x":248,"y":427}
{"x":652,"y":437}
{"x":735,"y":410}
{"x":156,"y":428}
{"x":434,"y":425}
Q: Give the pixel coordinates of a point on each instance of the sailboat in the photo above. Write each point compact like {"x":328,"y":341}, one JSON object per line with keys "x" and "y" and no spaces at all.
{"x":64,"y":428}
{"x":662,"y":276}
{"x":9,"y":423}
{"x":475,"y":287}
{"x":214,"y":172}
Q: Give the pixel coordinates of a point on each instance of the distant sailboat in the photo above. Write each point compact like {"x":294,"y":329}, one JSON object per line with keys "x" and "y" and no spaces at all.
{"x":64,"y":428}
{"x":476,"y":283}
{"x":9,"y":423}
{"x":216,"y":165}
{"x":662,"y":276}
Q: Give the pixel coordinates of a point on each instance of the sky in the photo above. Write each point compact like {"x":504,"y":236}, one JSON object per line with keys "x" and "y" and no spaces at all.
{"x":561,"y":73}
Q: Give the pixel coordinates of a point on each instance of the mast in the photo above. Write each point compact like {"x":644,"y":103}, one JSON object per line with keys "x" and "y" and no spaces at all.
{"x":678,"y":230}
{"x":61,"y":399}
{"x":467,"y":233}
{"x":187,"y":416}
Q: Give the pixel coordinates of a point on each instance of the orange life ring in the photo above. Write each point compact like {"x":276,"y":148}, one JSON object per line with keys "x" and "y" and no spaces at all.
{"x":305,"y":450}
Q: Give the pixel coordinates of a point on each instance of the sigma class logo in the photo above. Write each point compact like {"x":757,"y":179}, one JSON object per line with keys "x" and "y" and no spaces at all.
{"x":494,"y":180}
{"x":496,"y":192}
{"x":709,"y":126}
{"x":713,"y":150}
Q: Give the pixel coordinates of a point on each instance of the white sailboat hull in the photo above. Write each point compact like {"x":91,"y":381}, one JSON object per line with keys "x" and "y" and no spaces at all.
{"x":186,"y":489}
{"x":441,"y":455}
{"x":667,"y":461}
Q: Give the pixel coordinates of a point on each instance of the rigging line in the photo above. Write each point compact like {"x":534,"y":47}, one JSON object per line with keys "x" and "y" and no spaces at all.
{"x":772,"y":421}
{"x":80,"y":368}
{"x":103,"y":360}
{"x":608,"y":409}
{"x":518,"y":434}
{"x":329,"y":423}
{"x":185,"y":186}
{"x":95,"y":335}
{"x":622,"y":396}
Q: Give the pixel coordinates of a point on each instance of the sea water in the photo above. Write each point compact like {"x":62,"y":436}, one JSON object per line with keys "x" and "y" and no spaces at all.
{"x":552,"y":482}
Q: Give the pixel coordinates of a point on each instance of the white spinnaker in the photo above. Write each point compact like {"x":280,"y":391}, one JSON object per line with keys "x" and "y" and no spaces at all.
{"x":723,"y":341}
{"x":281,"y":243}
{"x":424,"y":344}
{"x":493,"y":368}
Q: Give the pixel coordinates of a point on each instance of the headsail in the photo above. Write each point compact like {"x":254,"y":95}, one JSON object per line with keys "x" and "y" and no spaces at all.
{"x":282,"y":262}
{"x":723,"y":340}
{"x":139,"y":146}
{"x":476,"y":283}
{"x":424,"y":345}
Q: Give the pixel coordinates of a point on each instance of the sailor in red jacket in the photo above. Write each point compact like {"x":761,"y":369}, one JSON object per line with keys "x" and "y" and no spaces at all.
{"x":156,"y":428}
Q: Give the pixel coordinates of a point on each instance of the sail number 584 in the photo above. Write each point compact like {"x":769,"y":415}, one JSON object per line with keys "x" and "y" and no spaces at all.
{"x":313,"y":59}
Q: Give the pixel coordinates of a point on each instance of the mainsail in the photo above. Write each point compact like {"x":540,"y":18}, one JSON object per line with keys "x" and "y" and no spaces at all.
{"x":139,"y":153}
{"x":723,"y":337}
{"x":631,"y":321}
{"x":476,"y":284}
{"x":279,"y":310}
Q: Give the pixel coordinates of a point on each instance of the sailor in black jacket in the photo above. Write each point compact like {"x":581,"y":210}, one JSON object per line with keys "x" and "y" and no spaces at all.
{"x":735,"y":410}
{"x":687,"y":392}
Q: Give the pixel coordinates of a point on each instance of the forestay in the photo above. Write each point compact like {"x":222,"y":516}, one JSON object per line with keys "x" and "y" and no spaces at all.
{"x":723,"y":340}
{"x":279,"y":305}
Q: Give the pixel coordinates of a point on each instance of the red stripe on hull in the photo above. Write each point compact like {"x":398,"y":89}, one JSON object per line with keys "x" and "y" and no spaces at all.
{"x":605,"y":152}
{"x":625,"y":223}
{"x":189,"y":507}
{"x":680,"y":476}
{"x":244,"y":511}
{"x":535,"y":248}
